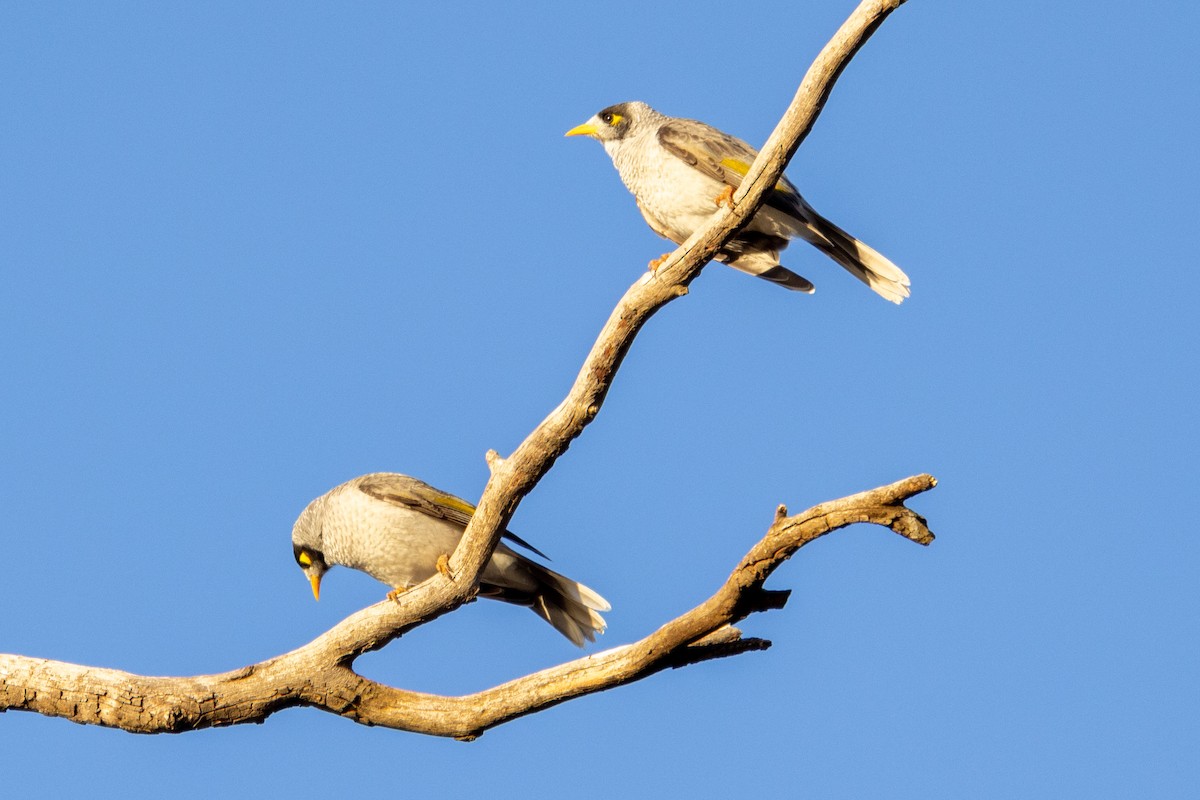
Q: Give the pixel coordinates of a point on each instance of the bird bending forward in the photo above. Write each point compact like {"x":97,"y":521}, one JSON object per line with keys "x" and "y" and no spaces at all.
{"x":679,"y":170}
{"x":399,"y":530}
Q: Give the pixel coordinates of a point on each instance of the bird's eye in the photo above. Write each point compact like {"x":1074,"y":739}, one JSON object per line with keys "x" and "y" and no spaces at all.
{"x":606,"y":118}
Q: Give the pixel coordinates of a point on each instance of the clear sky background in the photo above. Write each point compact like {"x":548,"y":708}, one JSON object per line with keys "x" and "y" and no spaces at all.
{"x":251,"y":250}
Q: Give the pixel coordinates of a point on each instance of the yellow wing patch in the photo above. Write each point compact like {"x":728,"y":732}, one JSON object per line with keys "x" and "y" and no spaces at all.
{"x":741,"y":168}
{"x":452,"y":502}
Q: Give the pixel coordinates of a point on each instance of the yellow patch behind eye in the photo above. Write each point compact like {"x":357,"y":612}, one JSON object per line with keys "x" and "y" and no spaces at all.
{"x":449,"y":501}
{"x":616,"y":120}
{"x":741,"y":168}
{"x":304,"y":558}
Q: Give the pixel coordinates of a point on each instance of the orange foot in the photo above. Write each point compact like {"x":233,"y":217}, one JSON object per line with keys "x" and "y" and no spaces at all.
{"x":443,"y":566}
{"x":658,"y":262}
{"x":725,"y":198}
{"x":394,"y":594}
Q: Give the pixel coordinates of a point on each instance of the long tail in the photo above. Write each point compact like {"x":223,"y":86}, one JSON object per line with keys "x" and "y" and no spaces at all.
{"x":568,"y":605}
{"x":859,"y":259}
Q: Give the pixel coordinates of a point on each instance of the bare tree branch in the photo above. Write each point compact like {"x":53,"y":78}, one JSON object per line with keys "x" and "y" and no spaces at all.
{"x":515,"y":477}
{"x":320,"y":674}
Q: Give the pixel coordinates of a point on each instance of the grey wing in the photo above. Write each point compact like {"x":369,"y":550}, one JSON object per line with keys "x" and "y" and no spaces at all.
{"x":416,"y":495}
{"x":709,"y":150}
{"x":727,"y":159}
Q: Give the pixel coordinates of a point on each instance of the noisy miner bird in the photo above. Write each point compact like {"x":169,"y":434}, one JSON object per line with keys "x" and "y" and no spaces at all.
{"x":679,"y":170}
{"x":400,"y":530}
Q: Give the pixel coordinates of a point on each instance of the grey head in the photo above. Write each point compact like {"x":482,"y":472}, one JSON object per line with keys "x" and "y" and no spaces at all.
{"x":308,"y":544}
{"x":614,"y":123}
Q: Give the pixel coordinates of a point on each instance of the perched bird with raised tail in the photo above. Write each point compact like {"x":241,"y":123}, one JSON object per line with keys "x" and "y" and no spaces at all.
{"x":680,"y":170}
{"x":400,"y":530}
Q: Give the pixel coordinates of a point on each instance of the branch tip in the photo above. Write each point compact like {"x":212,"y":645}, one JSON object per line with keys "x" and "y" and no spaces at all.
{"x":757,"y":600}
{"x":722,"y":635}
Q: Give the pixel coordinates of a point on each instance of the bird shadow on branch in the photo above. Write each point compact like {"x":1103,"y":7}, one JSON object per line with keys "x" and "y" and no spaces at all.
{"x":320,"y":674}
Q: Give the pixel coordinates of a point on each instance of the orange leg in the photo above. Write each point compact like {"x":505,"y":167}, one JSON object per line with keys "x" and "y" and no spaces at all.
{"x":443,"y":566}
{"x":725,"y":198}
{"x":658,"y":262}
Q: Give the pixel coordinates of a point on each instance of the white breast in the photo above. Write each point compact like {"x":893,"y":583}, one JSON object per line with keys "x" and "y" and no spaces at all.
{"x":680,"y":197}
{"x":392,"y":544}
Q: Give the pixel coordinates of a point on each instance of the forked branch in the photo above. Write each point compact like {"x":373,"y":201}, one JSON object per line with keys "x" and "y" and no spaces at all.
{"x":320,"y":674}
{"x":514,"y":477}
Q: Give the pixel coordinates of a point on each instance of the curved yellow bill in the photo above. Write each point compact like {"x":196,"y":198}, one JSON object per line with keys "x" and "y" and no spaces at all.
{"x":315,"y":580}
{"x":586,"y":129}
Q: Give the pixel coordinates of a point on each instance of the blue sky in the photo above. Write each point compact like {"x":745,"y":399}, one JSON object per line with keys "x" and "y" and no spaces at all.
{"x":250,"y":251}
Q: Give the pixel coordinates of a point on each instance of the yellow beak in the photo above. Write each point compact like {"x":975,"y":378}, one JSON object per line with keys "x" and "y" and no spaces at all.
{"x":315,"y":580}
{"x":586,"y":129}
